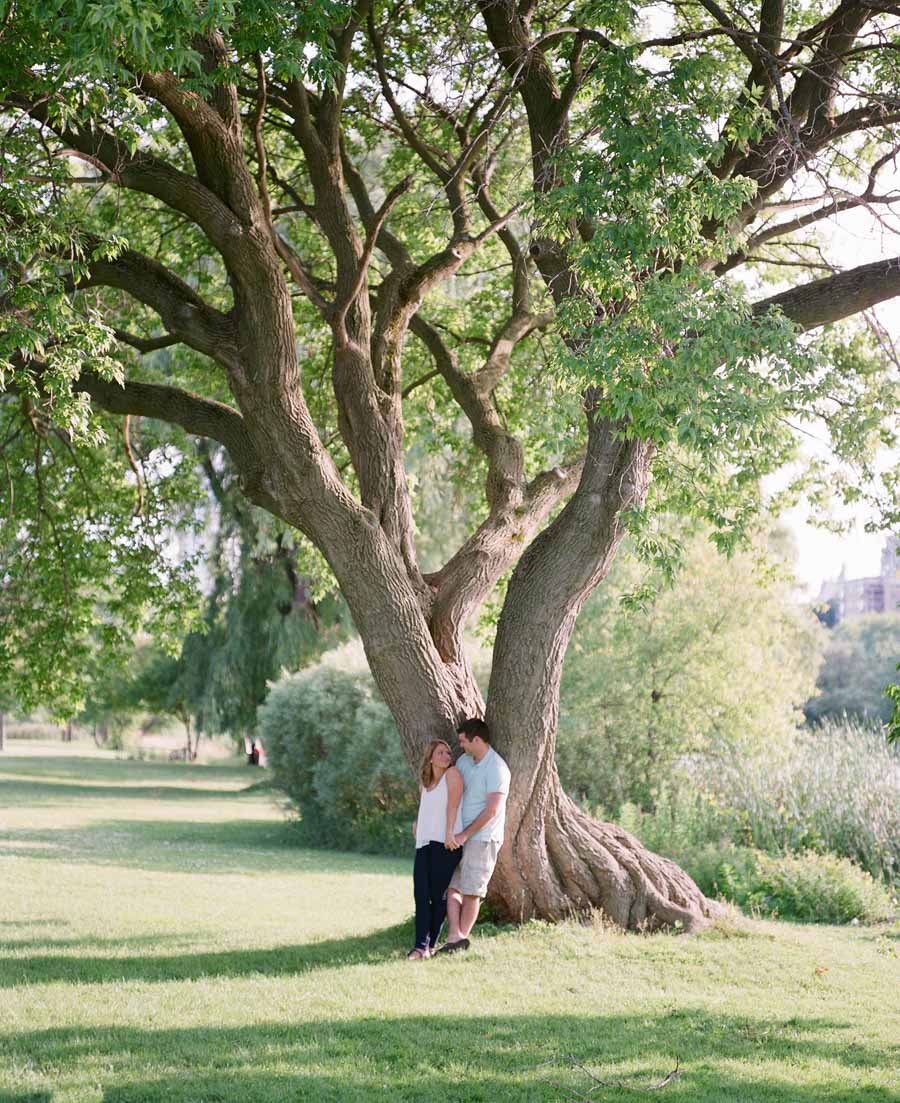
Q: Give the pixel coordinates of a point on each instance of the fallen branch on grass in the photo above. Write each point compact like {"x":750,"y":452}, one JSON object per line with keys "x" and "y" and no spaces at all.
{"x":624,"y":1085}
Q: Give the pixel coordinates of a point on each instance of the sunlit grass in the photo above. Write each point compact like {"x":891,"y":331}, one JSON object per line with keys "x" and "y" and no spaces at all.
{"x":163,"y":941}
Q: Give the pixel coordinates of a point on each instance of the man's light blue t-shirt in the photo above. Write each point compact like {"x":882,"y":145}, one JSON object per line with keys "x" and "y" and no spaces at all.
{"x":490,"y":775}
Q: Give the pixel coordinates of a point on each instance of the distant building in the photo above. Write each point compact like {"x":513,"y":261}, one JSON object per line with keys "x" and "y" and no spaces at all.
{"x":854,"y":597}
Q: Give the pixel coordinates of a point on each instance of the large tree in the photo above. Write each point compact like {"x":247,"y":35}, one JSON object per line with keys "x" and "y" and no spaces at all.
{"x":529,"y":217}
{"x":262,"y":614}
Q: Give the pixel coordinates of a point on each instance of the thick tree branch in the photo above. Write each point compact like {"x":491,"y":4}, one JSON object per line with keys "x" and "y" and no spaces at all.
{"x":884,"y":111}
{"x":392,"y":247}
{"x":516,"y":508}
{"x":551,"y":582}
{"x":519,"y":326}
{"x":812,"y":100}
{"x":184,"y":313}
{"x":548,"y":122}
{"x":462,"y":584}
{"x":835,"y":204}
{"x":506,"y":462}
{"x":520,"y":290}
{"x":146,"y":173}
{"x":369,"y":414}
{"x":146,"y":345}
{"x":373,"y":230}
{"x":201,"y":417}
{"x":198,"y":416}
{"x":215,"y":141}
{"x":805,"y":123}
{"x":332,"y":97}
{"x":742,"y":40}
{"x":401,"y":295}
{"x":451,"y":176}
{"x":836,"y":297}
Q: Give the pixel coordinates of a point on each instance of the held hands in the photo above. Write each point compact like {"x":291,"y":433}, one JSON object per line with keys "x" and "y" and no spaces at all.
{"x":454,"y":842}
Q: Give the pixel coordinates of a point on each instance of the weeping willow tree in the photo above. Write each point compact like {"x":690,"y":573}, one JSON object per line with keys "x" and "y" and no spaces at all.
{"x":533,"y":236}
{"x":267,"y":610}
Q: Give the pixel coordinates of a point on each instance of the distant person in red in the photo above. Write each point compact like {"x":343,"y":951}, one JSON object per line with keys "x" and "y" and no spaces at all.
{"x":256,"y":752}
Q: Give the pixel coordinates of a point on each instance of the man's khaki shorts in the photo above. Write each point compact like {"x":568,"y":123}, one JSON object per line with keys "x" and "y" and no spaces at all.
{"x":473,"y":873}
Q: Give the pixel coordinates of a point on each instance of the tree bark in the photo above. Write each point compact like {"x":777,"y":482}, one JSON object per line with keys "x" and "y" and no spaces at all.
{"x":190,"y":749}
{"x":558,"y":861}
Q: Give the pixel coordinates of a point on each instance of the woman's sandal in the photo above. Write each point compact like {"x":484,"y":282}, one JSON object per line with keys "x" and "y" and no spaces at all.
{"x":417,"y":953}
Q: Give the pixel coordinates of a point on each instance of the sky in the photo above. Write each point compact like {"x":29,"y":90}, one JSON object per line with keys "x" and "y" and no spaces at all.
{"x":821,"y":554}
{"x":856,"y":239}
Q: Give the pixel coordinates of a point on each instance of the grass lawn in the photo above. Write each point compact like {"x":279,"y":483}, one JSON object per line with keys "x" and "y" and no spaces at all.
{"x":162,"y":941}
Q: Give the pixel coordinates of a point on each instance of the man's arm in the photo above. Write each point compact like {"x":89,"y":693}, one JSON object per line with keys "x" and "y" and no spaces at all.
{"x":454,"y":796}
{"x":492,"y":809}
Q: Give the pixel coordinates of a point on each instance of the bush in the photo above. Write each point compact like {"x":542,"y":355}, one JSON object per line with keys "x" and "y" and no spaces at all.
{"x":819,"y":888}
{"x":808,"y":887}
{"x":334,"y":750}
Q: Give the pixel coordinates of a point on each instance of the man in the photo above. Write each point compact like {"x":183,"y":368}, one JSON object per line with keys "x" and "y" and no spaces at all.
{"x":486,"y":780}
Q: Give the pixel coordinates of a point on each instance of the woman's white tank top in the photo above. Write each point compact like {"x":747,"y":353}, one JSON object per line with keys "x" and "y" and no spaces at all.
{"x":431,"y":826}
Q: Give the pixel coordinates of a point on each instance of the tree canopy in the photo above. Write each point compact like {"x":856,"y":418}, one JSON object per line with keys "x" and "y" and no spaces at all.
{"x":860,"y":664}
{"x":682,"y":150}
{"x":721,"y":662}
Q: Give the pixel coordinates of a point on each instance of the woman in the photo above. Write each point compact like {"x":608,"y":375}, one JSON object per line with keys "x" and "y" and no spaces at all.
{"x":435,"y":830}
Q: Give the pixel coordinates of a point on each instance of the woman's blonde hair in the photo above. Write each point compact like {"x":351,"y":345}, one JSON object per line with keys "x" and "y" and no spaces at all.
{"x":425,"y":768}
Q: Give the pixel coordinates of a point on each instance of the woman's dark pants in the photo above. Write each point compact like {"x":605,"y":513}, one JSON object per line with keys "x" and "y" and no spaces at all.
{"x":432,"y":870}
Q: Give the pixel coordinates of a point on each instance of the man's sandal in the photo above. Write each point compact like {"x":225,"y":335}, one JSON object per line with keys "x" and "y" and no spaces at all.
{"x":418,"y":953}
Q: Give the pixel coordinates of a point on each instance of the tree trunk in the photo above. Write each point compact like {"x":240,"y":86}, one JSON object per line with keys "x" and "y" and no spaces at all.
{"x":557,"y":861}
{"x":189,"y":751}
{"x":2,"y":731}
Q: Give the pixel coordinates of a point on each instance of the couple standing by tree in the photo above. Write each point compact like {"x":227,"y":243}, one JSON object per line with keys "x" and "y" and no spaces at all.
{"x":458,"y":833}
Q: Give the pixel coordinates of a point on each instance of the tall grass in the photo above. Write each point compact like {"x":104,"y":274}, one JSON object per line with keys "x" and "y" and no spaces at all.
{"x":836,"y":790}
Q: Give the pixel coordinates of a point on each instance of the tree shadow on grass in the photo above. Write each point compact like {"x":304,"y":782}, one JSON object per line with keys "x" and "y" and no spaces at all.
{"x":48,"y":922}
{"x":79,"y":767}
{"x":382,"y":945}
{"x":426,"y":1058}
{"x":25,"y":1097}
{"x":42,"y":781}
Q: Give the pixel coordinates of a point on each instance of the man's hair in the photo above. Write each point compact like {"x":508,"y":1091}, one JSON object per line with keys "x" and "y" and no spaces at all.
{"x":472,"y":727}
